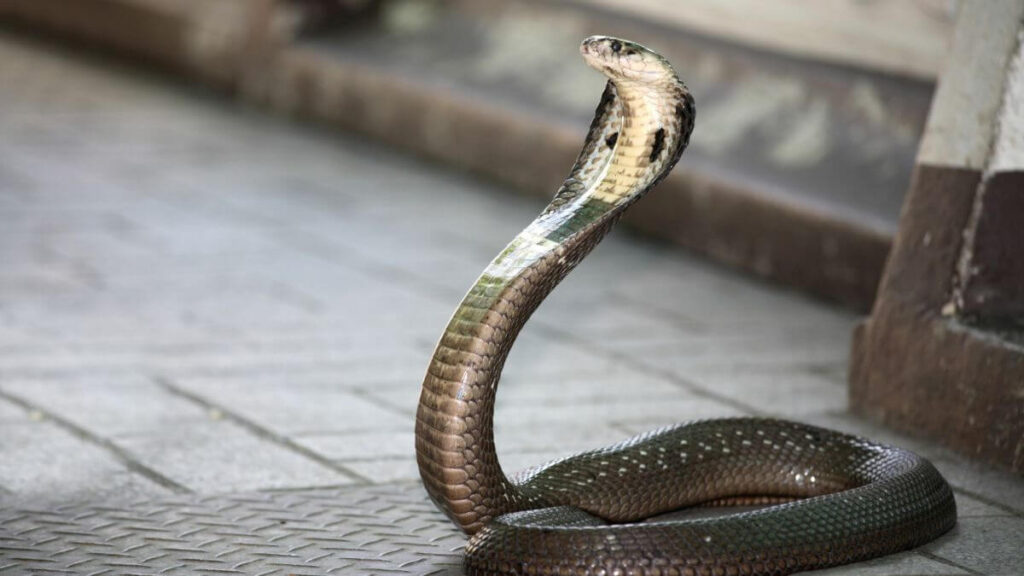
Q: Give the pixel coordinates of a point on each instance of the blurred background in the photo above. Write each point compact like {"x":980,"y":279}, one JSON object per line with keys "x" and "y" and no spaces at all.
{"x":809,"y":115}
{"x":231,"y":232}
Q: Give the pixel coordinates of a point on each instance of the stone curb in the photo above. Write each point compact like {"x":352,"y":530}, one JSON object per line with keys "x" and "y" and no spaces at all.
{"x":206,"y":40}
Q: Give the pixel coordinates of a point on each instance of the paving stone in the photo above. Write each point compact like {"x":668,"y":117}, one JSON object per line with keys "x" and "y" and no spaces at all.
{"x":44,"y":465}
{"x":222,"y":358}
{"x":701,"y":352}
{"x":55,"y":317}
{"x":111,"y":407}
{"x":16,"y":340}
{"x":781,"y":393}
{"x":218,"y":457}
{"x":996,"y":486}
{"x":680,"y":409}
{"x":600,"y":318}
{"x":121,"y":256}
{"x":567,"y":390}
{"x":12,"y":413}
{"x":56,"y":220}
{"x":334,"y":340}
{"x":724,"y":302}
{"x":380,"y":366}
{"x":621,"y":262}
{"x":432,"y":259}
{"x":637,"y":418}
{"x":904,"y":564}
{"x":380,"y":470}
{"x":96,"y":190}
{"x":536,"y":354}
{"x":305,"y":197}
{"x":512,"y":436}
{"x":990,"y":545}
{"x":291,"y":408}
{"x":968,"y":507}
{"x":381,"y":443}
{"x":33,"y":264}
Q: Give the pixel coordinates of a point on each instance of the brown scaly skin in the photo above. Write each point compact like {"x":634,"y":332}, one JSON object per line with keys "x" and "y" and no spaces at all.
{"x":845,"y":498}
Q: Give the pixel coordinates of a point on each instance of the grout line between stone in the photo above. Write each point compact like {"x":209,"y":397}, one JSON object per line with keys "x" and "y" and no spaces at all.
{"x":950,"y":563}
{"x":313,"y":244}
{"x":261,"y":432}
{"x":990,"y":502}
{"x":351,"y":431}
{"x":649,"y":370}
{"x":120,"y":454}
{"x":382,"y":404}
{"x":362,"y":459}
{"x":313,"y":487}
{"x":409,"y":483}
{"x":675,"y":318}
{"x":621,"y":428}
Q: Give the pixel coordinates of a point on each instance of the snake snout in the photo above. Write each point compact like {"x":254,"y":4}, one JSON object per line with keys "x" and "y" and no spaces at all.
{"x":597,"y":48}
{"x":589,"y":49}
{"x":623,"y":60}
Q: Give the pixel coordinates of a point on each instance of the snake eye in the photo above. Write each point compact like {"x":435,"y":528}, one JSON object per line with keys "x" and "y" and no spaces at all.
{"x":616,"y":46}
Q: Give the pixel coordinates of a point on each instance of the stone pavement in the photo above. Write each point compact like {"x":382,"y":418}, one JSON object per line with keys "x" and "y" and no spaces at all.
{"x":213,"y":327}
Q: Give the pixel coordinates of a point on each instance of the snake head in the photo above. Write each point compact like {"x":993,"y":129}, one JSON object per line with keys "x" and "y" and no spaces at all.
{"x":621,"y":60}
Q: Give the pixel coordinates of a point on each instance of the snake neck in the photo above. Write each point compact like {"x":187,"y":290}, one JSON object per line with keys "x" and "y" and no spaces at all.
{"x":637,"y":136}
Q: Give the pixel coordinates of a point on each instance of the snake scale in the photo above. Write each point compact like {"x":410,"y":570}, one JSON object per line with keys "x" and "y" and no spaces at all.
{"x":835,"y":498}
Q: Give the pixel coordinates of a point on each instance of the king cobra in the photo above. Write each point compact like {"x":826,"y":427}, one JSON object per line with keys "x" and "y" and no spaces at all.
{"x":827,"y":498}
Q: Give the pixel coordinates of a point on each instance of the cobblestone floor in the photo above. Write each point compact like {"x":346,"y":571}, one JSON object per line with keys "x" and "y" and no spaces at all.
{"x":216,"y":321}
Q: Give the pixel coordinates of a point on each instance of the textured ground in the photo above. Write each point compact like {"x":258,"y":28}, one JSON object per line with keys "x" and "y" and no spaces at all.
{"x":213,"y":326}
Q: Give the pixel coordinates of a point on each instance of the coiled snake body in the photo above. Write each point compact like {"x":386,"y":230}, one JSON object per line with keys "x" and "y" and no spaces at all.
{"x":838,"y":498}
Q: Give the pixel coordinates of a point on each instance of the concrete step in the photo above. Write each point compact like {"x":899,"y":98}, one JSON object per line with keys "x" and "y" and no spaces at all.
{"x":200,"y":38}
